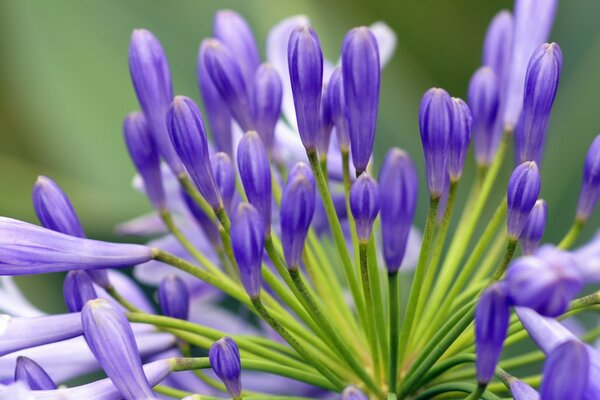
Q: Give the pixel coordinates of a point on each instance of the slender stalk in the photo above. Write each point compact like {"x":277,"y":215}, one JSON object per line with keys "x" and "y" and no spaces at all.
{"x":415,"y":289}
{"x":120,"y":299}
{"x":508,"y":255}
{"x":445,"y":366}
{"x":188,"y":186}
{"x":223,"y":218}
{"x":453,"y":388}
{"x":394,"y":303}
{"x":176,"y":393}
{"x":368,"y":298}
{"x":380,"y":316}
{"x":477,"y":393}
{"x":572,"y":235}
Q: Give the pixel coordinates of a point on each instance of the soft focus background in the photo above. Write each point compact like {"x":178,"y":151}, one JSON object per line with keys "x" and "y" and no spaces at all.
{"x":65,"y":88}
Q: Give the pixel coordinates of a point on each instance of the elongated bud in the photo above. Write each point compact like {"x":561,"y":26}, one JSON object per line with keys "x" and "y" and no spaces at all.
{"x":111,"y":339}
{"x":362,"y":76}
{"x":534,"y":228}
{"x":435,"y":123}
{"x":547,"y":333}
{"x":233,"y":31}
{"x":247,"y":239}
{"x":532,"y":25}
{"x":266,"y":103}
{"x":541,"y":83}
{"x":523,"y":191}
{"x":29,"y":249}
{"x":78,"y":289}
{"x":34,"y":376}
{"x":174,"y":297}
{"x":491,"y":324}
{"x":590,"y":183}
{"x":305,"y":61}
{"x":225,"y":361}
{"x":497,"y":48}
{"x":353,"y":393}
{"x":186,"y":128}
{"x":484,"y":103}
{"x":460,"y":137}
{"x":566,"y":372}
{"x":364,"y":203}
{"x":296,"y":212}
{"x":335,"y":95}
{"x":206,"y":223}
{"x":151,"y":79}
{"x":522,"y":391}
{"x":326,"y":122}
{"x":546,"y":282}
{"x":226,"y":75}
{"x":145,"y":157}
{"x":398,"y":177}
{"x":224,"y":177}
{"x":255,"y":173}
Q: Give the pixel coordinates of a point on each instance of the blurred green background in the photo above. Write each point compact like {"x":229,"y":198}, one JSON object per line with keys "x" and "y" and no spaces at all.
{"x":65,"y":88}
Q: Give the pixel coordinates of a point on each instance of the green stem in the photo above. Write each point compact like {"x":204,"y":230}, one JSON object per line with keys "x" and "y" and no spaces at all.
{"x":120,"y":299}
{"x":445,"y":366}
{"x":223,"y":218}
{"x":415,"y":289}
{"x":368,"y":298}
{"x":572,"y":235}
{"x":394,"y":300}
{"x":508,"y":255}
{"x":380,"y":316}
{"x":175,"y":393}
{"x":452,"y":388}
{"x":477,"y":393}
{"x":308,"y":357}
{"x":188,"y":186}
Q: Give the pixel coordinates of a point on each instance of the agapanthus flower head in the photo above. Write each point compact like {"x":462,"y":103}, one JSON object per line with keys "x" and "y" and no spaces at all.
{"x":78,"y":289}
{"x":523,"y":191}
{"x":545,"y":282}
{"x":590,"y":183}
{"x":296,"y":212}
{"x":566,"y":372}
{"x":435,"y":124}
{"x":29,"y":249}
{"x":226,"y":75}
{"x":267,"y":93}
{"x":541,"y":84}
{"x":109,"y":336}
{"x":532,"y":233}
{"x":305,"y":61}
{"x":34,"y":376}
{"x":247,"y":240}
{"x":460,"y":138}
{"x":484,"y":102}
{"x":186,"y":129}
{"x":225,"y":361}
{"x":497,"y":48}
{"x":398,"y":201}
{"x":491,"y":324}
{"x":335,"y":96}
{"x":145,"y":157}
{"x":224,"y":177}
{"x":255,"y":174}
{"x":151,"y":79}
{"x":174,"y":297}
{"x":326,"y":123}
{"x":353,"y":393}
{"x":361,"y":75}
{"x":364,"y":203}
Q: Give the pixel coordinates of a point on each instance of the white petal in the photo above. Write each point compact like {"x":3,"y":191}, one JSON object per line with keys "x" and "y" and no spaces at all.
{"x":386,"y":40}
{"x":12,"y":301}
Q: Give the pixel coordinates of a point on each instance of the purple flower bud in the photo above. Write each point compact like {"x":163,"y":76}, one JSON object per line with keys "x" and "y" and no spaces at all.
{"x":78,"y":289}
{"x":226,"y":75}
{"x":296,"y":212}
{"x":399,"y":177}
{"x":266,"y":103}
{"x":27,"y":249}
{"x":34,"y":376}
{"x":186,"y":129}
{"x":362,"y":76}
{"x":234,"y":32}
{"x":523,"y":191}
{"x":435,"y":123}
{"x":335,"y":95}
{"x":174,"y":297}
{"x":534,"y":228}
{"x":497,"y":48}
{"x":484,"y":103}
{"x":224,"y":177}
{"x":522,"y":391}
{"x":491,"y":324}
{"x":590,"y":184}
{"x":112,"y":342}
{"x":352,"y":393}
{"x":566,"y":372}
{"x":145,"y":157}
{"x":364,"y":203}
{"x":326,"y":122}
{"x":247,"y":240}
{"x":305,"y":60}
{"x":219,"y":116}
{"x":532,"y":25}
{"x":225,"y":361}
{"x":206,"y":223}
{"x":151,"y":79}
{"x":460,"y":137}
{"x":255,"y":173}
{"x":546,"y":282}
{"x":541,"y":83}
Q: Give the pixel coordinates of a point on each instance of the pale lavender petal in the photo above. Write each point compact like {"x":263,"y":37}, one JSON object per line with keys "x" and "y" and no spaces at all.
{"x":386,"y":41}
